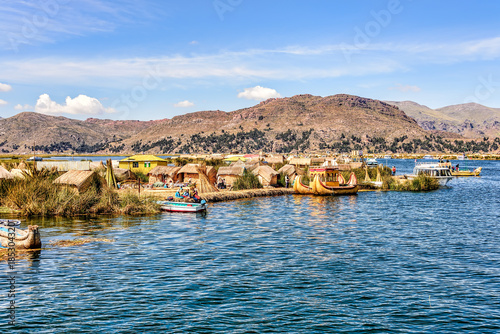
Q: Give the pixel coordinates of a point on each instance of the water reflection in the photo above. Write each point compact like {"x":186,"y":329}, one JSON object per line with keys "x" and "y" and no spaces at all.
{"x":281,"y":264}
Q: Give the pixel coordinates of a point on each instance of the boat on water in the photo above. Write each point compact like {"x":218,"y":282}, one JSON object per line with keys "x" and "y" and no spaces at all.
{"x":34,"y":158}
{"x":434,"y":170}
{"x":371,"y":162}
{"x":428,"y":157}
{"x":462,"y":157}
{"x":172,"y":206}
{"x":462,"y":171}
{"x":387,"y":156}
{"x":467,"y":172}
{"x":11,"y":236}
{"x":329,"y":181}
{"x":301,"y":188}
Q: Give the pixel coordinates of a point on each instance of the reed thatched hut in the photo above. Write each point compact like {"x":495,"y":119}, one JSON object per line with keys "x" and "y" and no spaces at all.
{"x":274,"y":160}
{"x":266,"y":175}
{"x":165,"y":174}
{"x":79,"y":179}
{"x":5,"y":174}
{"x":123,"y":174}
{"x":230,"y":174}
{"x":190,"y":172}
{"x":300,"y":162}
{"x":291,"y":171}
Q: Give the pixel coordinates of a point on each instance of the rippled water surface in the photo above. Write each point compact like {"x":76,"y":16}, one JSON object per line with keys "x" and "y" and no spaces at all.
{"x":377,"y":262}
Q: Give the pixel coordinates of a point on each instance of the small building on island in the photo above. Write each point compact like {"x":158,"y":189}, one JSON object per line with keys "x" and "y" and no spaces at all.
{"x":142,"y":163}
{"x":81,"y":180}
{"x":266,"y":175}
{"x":191,"y":172}
{"x":164,"y":174}
{"x":291,"y":171}
{"x":230,"y":174}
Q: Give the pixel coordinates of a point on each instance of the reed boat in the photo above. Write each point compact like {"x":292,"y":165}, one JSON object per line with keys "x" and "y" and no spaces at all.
{"x":329,"y":181}
{"x":467,"y":172}
{"x":301,"y":188}
{"x":11,"y":236}
{"x":462,"y":172}
{"x":172,"y":206}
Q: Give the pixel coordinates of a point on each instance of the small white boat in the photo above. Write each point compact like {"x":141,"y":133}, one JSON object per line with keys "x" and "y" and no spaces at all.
{"x":387,"y":156}
{"x":434,"y":170}
{"x":171,"y":206}
{"x":428,"y":157}
{"x":371,"y":162}
{"x":462,"y":157}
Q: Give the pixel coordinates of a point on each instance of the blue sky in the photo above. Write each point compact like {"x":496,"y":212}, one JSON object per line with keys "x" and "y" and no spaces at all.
{"x":145,"y":60}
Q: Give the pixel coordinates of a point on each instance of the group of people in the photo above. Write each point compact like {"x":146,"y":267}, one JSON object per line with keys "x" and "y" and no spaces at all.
{"x":185,"y":194}
{"x":221,"y":183}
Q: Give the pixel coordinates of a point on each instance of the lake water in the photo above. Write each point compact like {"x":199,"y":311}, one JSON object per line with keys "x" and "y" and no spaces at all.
{"x":378,"y":262}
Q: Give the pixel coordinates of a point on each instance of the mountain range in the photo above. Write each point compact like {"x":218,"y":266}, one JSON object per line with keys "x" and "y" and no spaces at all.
{"x":469,"y":119}
{"x":301,"y":123}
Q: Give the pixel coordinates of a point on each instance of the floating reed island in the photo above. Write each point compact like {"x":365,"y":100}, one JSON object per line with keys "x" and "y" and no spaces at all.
{"x":222,"y":196}
{"x":29,"y":188}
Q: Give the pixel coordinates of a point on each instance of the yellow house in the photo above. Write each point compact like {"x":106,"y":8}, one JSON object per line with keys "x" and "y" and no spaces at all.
{"x":142,"y":163}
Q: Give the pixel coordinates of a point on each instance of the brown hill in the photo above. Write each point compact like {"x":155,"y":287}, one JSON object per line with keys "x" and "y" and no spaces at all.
{"x":470,"y":119}
{"x":60,"y":134}
{"x":302,"y":123}
{"x":271,"y":123}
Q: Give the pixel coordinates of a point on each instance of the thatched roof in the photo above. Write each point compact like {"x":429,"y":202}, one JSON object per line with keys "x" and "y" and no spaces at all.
{"x":266,"y":172}
{"x":300,"y":161}
{"x":5,"y":174}
{"x":237,"y":170}
{"x":123,"y":174}
{"x":189,"y":169}
{"x":287,"y":170}
{"x":164,"y":170}
{"x":237,"y":163}
{"x":75,"y":177}
{"x":317,"y":161}
{"x":274,"y":160}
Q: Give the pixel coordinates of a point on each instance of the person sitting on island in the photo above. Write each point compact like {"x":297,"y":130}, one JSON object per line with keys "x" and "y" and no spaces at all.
{"x":195,"y":196}
{"x":178,"y":193}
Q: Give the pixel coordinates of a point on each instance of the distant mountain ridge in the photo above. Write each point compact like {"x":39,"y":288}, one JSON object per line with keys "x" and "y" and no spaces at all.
{"x":468,"y":119}
{"x":301,"y":123}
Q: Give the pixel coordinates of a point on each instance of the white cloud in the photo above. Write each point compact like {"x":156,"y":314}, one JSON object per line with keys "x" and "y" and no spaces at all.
{"x":25,"y":107}
{"x":184,"y":104}
{"x":80,"y":105}
{"x":258,"y":93}
{"x":5,"y":87}
{"x":2,"y":102}
{"x":405,"y":88}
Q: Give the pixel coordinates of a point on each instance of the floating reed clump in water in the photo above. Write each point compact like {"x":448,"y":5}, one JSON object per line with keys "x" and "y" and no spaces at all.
{"x":77,"y":242}
{"x":420,"y":183}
